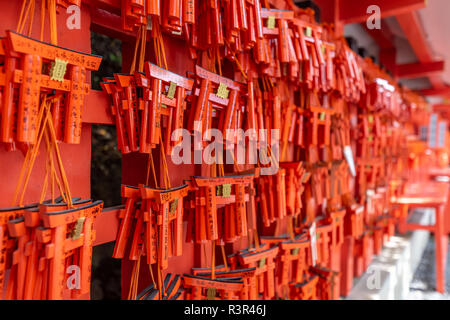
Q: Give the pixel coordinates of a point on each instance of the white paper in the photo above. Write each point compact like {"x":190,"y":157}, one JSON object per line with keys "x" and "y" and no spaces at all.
{"x":442,"y":132}
{"x":312,"y":234}
{"x":433,"y":128}
{"x":348,"y":154}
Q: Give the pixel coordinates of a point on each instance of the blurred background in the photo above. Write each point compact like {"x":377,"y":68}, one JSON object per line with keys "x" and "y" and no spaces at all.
{"x":106,"y":172}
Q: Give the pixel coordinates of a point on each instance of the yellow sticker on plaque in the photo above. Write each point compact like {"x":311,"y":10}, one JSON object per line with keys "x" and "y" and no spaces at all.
{"x":308,"y":32}
{"x":270,"y":22}
{"x":58,"y":70}
{"x":173,"y":206}
{"x":211,"y":293}
{"x":226,"y":190}
{"x":223,"y":190}
{"x":76,"y":232}
{"x":171,"y":91}
{"x":322,"y":116}
{"x":222,"y":91}
{"x":262,"y":263}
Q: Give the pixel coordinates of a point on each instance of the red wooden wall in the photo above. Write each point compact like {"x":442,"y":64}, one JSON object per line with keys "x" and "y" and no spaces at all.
{"x":77,"y":158}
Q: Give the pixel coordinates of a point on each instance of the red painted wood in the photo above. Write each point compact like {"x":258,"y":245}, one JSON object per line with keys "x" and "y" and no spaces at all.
{"x":77,"y":164}
{"x":444,"y":112}
{"x":109,"y":23}
{"x":96,"y":109}
{"x":445,"y":91}
{"x":412,"y":28}
{"x":110,"y":5}
{"x":106,"y":226}
{"x":329,"y":12}
{"x":346,"y":276}
{"x":429,"y":195}
{"x":335,"y":263}
{"x":134,"y":168}
{"x":387,"y":58}
{"x":447,"y":217}
{"x":76,"y":158}
{"x":417,"y":70}
{"x":440,"y":172}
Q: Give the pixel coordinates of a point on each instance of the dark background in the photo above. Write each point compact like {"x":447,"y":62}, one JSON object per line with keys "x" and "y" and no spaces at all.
{"x":106,"y":173}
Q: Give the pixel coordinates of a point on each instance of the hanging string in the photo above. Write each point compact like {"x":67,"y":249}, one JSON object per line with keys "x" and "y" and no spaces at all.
{"x":224,"y":257}
{"x":240,"y":67}
{"x":151,"y":275}
{"x":158,"y":45}
{"x":33,"y":3}
{"x":256,"y":238}
{"x":25,"y":165}
{"x":44,"y":188}
{"x":143,"y":47}
{"x":156,"y":48}
{"x":219,"y":61}
{"x":44,"y":121}
{"x":161,"y":43}
{"x":134,"y":283}
{"x":152,"y":164}
{"x":256,"y":241}
{"x":290,"y":227}
{"x":213,"y":259}
{"x":133,"y":63}
{"x":29,"y":159}
{"x":237,"y":62}
{"x":53,"y":25}
{"x":160,"y":286}
{"x":138,"y":263}
{"x":275,"y":161}
{"x":23,"y":18}
{"x":42,"y":19}
{"x":213,"y":243}
{"x":205,"y":255}
{"x":164,"y":163}
{"x":60,"y":164}
{"x":54,"y":177}
{"x":130,"y":290}
{"x":49,"y":173}
{"x":21,"y":15}
{"x":160,"y":54}
{"x":28,"y":163}
{"x":141,"y":42}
